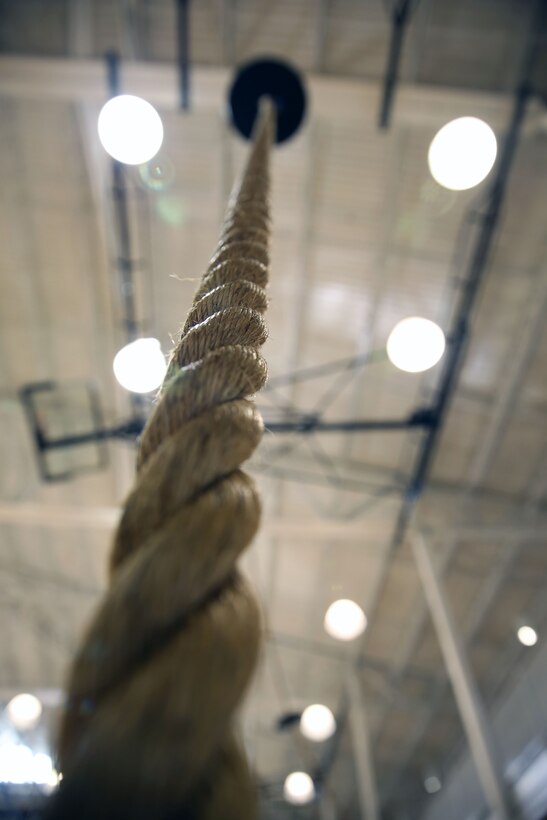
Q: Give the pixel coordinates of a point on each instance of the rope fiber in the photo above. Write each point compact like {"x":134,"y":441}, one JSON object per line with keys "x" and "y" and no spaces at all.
{"x":147,"y":731}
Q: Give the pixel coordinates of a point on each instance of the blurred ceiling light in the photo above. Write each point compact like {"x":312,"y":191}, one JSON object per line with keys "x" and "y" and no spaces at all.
{"x":24,"y":711}
{"x":15,"y":763}
{"x":432,"y":784}
{"x":415,"y":344}
{"x":317,"y":723}
{"x":43,"y":771}
{"x":140,"y":366}
{"x":345,"y":620}
{"x":130,"y":129}
{"x":298,"y":788}
{"x":527,"y":635}
{"x":19,"y":765}
{"x":462,"y":153}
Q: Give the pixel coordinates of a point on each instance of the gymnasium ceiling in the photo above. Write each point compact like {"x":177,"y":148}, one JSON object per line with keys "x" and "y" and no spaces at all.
{"x":362,"y":238}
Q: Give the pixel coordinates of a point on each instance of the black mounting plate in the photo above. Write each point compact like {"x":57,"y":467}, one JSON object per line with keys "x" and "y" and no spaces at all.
{"x":273,"y":78}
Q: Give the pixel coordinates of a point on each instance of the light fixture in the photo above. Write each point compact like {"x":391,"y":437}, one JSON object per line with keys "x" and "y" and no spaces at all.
{"x":298,"y":788}
{"x":317,"y":722}
{"x":462,"y":153}
{"x":16,"y":762}
{"x":527,"y":635}
{"x":19,"y":765}
{"x":415,"y":344}
{"x":130,"y":129}
{"x":140,"y":366}
{"x":24,"y":711}
{"x":345,"y":620}
{"x":43,"y":771}
{"x":432,"y":784}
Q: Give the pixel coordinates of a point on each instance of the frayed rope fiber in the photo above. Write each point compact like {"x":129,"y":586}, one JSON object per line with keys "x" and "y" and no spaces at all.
{"x":147,"y":731}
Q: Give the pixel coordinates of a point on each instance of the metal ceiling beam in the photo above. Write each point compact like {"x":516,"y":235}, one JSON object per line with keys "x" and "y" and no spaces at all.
{"x":399,"y":20}
{"x":533,"y":316}
{"x":304,"y":425}
{"x":364,"y":760}
{"x":67,"y":80}
{"x":465,"y":689}
{"x":479,"y":611}
{"x":97,"y":169}
{"x":459,"y":333}
{"x":460,"y":329}
{"x":183,"y":48}
{"x":522,"y":350}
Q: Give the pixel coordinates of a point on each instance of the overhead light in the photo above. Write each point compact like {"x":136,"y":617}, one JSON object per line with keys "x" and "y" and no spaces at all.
{"x":432,"y":784}
{"x":415,"y":344}
{"x":345,"y":620}
{"x":140,"y":366}
{"x":130,"y":129}
{"x":527,"y":635}
{"x":298,"y":788}
{"x":24,"y":711}
{"x":317,"y":722}
{"x":462,"y":153}
{"x":43,"y":771}
{"x":16,"y":762}
{"x":19,"y":765}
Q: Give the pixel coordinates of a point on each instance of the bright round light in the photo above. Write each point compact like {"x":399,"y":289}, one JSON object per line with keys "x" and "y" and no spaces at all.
{"x":462,"y":153}
{"x":527,"y":636}
{"x":345,"y":620}
{"x":24,"y":711}
{"x":42,"y":770}
{"x":19,"y":765}
{"x":415,"y":344}
{"x":140,"y":366}
{"x":130,"y":129}
{"x":317,"y":722}
{"x":16,"y":763}
{"x":298,"y":788}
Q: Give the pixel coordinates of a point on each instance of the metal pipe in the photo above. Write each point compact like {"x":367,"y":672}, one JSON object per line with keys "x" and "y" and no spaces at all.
{"x":124,"y":261}
{"x":124,"y":258}
{"x":465,"y":690}
{"x":128,"y":429}
{"x":183,"y":28}
{"x":364,"y":762}
{"x":306,"y":425}
{"x":399,"y":20}
{"x":314,"y":424}
{"x":327,"y":369}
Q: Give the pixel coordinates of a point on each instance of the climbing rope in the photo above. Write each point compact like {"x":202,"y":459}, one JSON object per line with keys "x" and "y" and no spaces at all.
{"x":147,"y":730}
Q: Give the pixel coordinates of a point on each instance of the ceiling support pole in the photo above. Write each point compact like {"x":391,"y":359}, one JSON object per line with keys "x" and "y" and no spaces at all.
{"x":183,"y":37}
{"x":364,"y":762}
{"x":467,"y":697}
{"x":399,"y":20}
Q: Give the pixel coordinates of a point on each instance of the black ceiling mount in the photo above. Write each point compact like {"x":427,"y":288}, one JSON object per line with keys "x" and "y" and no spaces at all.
{"x":267,"y":77}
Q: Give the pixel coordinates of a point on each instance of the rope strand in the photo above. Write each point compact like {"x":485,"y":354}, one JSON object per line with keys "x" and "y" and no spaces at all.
{"x":147,"y":731}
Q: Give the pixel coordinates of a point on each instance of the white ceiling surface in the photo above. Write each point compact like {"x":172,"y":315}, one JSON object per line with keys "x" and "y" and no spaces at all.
{"x":362,"y":237}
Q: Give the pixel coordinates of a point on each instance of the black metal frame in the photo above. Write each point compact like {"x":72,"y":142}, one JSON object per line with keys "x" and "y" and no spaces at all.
{"x":400,"y":16}
{"x":27,"y":395}
{"x":183,"y":39}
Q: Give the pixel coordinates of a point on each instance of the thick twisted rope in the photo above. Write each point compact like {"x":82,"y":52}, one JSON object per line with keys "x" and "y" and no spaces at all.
{"x":147,"y":730}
